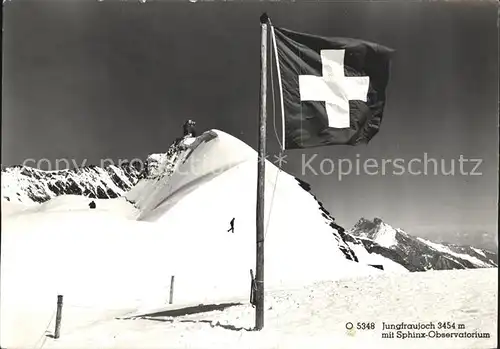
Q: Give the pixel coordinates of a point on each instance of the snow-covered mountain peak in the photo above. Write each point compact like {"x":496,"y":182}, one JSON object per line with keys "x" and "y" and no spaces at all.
{"x":377,"y":231}
{"x":417,"y":254}
{"x":221,"y":169}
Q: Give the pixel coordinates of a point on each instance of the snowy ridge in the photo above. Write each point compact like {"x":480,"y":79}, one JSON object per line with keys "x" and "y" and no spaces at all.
{"x":148,"y":191}
{"x":216,"y":156}
{"x":28,"y":185}
{"x":478,"y":251}
{"x":416,"y":254}
{"x":447,"y":250}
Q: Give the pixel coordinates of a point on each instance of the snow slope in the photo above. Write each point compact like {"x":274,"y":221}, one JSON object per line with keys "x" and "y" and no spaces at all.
{"x":93,"y":258}
{"x":373,"y":258}
{"x":216,"y":180}
{"x":103,"y":260}
{"x":378,"y":231}
{"x":316,"y":317}
{"x":10,"y":208}
{"x":71,"y":203}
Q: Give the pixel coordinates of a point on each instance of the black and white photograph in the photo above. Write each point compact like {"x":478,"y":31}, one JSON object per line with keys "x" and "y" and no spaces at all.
{"x":212,"y":174}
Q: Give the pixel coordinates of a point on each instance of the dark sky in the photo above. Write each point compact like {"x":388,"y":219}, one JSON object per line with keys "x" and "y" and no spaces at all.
{"x":94,"y":80}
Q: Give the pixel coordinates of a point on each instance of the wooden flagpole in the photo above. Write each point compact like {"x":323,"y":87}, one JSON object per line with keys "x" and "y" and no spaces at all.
{"x":259,"y":270}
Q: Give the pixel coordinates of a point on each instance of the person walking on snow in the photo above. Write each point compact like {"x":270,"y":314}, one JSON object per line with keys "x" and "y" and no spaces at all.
{"x":231,"y":229}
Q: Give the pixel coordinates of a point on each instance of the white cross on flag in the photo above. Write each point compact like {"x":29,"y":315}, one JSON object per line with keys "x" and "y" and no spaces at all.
{"x":333,"y":89}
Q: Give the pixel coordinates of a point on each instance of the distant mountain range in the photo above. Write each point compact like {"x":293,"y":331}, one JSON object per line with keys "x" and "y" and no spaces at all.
{"x":414,"y":253}
{"x":25,"y":185}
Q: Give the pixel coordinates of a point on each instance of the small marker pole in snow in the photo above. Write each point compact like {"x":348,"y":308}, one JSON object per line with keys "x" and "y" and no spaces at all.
{"x":58,"y":316}
{"x":252,"y":288}
{"x":259,"y":270}
{"x":171,"y":299}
